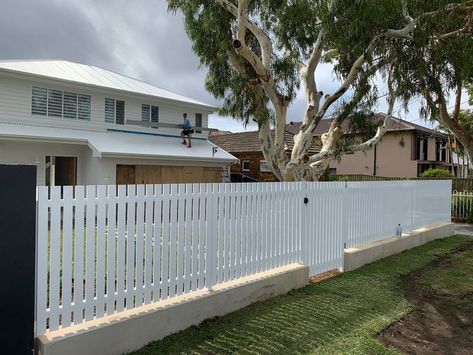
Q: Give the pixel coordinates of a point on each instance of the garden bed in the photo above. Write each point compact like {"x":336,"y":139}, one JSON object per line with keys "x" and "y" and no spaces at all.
{"x":442,"y":322}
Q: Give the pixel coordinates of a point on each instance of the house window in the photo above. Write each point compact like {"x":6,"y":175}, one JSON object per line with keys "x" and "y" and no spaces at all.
{"x":56,"y":103}
{"x":83,"y":107}
{"x":149,"y":113}
{"x":421,"y":148}
{"x":198,"y":122}
{"x":441,"y":150}
{"x":245,"y":165}
{"x":39,"y":101}
{"x":114,"y":111}
{"x":264,"y":167}
{"x":145,"y":113}
{"x":70,"y":105}
{"x":154,"y":114}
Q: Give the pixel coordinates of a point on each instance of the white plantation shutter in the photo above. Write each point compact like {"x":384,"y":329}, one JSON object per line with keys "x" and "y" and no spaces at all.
{"x":145,"y":113}
{"x":110,"y":110}
{"x":54,"y":103}
{"x":70,"y":105}
{"x":39,"y":101}
{"x":84,"y":110}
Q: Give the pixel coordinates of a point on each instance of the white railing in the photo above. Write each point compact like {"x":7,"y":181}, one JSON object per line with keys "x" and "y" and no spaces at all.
{"x":106,"y":249}
{"x":462,"y":205}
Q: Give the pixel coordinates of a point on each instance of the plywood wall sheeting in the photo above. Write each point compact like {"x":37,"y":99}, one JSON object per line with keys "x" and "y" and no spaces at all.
{"x":164,"y":174}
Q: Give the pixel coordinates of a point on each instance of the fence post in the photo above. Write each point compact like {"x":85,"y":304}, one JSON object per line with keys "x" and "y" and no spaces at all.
{"x":17,"y":258}
{"x":212,"y":219}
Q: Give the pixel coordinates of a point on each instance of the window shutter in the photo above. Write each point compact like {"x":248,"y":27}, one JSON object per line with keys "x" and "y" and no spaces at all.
{"x":39,"y":101}
{"x":54,"y":103}
{"x":120,"y":112}
{"x":110,"y":110}
{"x":84,"y":109}
{"x":145,"y":113}
{"x":70,"y":105}
{"x":155,"y":114}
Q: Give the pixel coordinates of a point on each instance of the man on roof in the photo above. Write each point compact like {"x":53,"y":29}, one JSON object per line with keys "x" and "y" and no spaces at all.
{"x":186,"y":130}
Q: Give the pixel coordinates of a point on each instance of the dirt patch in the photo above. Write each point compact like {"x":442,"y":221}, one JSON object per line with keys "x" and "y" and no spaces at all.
{"x":325,"y":276}
{"x":440,"y":324}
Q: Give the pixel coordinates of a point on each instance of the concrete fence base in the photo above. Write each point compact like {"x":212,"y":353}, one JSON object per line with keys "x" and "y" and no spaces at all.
{"x":359,"y":256}
{"x":130,"y":330}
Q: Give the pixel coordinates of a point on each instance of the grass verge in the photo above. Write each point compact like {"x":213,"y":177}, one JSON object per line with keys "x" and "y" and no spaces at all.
{"x":336,"y":316}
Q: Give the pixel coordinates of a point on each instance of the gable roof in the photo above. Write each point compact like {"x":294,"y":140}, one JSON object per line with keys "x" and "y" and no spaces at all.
{"x":94,"y":76}
{"x":245,"y":142}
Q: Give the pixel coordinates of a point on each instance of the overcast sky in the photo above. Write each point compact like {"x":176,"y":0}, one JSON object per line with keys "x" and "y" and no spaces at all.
{"x":138,"y":38}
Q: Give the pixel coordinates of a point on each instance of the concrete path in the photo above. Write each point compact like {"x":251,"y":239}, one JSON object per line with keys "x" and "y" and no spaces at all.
{"x":464,"y":229}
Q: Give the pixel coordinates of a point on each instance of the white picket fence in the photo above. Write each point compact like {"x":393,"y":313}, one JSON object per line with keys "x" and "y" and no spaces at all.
{"x":105,"y":249}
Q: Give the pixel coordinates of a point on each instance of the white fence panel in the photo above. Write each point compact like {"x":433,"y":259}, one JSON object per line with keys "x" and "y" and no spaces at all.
{"x":105,"y":249}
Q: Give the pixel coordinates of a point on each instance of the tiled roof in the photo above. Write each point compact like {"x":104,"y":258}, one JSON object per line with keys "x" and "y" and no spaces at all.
{"x":245,"y":142}
{"x":394,"y":124}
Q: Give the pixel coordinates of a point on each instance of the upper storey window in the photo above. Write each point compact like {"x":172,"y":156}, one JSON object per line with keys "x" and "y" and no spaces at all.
{"x":149,"y":113}
{"x":114,"y":111}
{"x":56,"y":103}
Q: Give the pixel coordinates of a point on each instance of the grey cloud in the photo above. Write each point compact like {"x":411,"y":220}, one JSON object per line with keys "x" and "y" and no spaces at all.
{"x":137,"y":38}
{"x":43,"y":29}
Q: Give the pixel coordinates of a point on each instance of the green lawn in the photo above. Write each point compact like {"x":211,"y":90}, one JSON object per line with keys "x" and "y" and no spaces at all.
{"x":337,"y":316}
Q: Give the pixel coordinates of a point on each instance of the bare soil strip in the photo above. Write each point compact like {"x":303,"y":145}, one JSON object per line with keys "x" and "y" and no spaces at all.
{"x":440,"y":324}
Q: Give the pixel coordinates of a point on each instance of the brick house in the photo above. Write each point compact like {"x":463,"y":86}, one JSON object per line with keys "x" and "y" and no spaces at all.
{"x":406,"y":150}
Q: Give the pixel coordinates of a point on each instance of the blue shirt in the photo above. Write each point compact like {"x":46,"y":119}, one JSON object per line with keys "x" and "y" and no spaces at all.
{"x":186,"y":124}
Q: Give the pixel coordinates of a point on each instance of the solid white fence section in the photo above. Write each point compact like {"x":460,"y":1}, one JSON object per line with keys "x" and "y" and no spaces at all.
{"x":106,"y":249}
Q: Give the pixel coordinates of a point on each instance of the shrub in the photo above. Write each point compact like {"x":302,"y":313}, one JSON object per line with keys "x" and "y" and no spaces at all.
{"x":437,"y":173}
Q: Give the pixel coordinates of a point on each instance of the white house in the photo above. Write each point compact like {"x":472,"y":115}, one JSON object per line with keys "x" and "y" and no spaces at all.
{"x":86,"y":125}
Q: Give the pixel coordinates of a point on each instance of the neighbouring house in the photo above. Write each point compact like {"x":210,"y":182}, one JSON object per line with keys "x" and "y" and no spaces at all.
{"x":406,"y":150}
{"x":246,"y":146}
{"x":85,"y":125}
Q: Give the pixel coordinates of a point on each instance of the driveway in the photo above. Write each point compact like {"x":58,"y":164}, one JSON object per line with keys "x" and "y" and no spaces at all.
{"x":464,"y":229}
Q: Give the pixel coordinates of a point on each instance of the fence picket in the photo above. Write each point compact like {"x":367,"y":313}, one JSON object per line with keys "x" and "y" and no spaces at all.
{"x":111,"y":250}
{"x":90,"y":254}
{"x":67,"y":238}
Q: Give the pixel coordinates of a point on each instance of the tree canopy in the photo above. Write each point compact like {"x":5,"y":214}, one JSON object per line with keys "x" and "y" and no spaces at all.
{"x":259,"y":53}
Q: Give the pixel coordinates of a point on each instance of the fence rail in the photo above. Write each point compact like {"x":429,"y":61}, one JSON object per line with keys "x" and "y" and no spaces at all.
{"x":458,"y":184}
{"x":106,"y":249}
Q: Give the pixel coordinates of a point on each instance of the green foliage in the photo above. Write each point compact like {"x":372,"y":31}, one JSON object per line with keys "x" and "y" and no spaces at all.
{"x":295,"y":25}
{"x":440,"y":173}
{"x":469,"y":217}
{"x":465,"y":119}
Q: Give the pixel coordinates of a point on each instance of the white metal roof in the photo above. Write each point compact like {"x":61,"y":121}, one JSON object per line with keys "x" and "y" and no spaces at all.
{"x":90,"y":75}
{"x":120,"y":144}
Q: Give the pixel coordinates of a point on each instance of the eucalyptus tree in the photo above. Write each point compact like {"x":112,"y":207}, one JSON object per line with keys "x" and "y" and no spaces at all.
{"x":438,"y":65}
{"x":259,"y":53}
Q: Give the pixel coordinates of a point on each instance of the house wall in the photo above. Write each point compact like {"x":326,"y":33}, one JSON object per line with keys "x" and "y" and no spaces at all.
{"x":393,"y":158}
{"x":254,"y":172}
{"x":34,"y":153}
{"x":15,"y":104}
{"x":90,"y":170}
